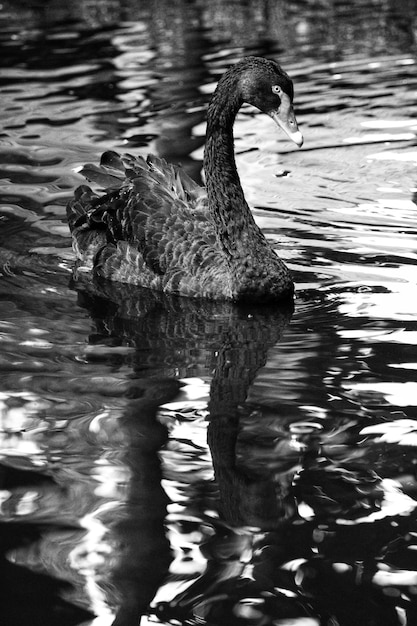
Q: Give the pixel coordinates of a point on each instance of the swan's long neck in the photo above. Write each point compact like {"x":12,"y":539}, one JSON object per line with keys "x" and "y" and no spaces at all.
{"x":236,"y":228}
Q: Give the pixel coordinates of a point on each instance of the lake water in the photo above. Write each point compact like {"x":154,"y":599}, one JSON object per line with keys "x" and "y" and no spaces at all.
{"x":167,"y":461}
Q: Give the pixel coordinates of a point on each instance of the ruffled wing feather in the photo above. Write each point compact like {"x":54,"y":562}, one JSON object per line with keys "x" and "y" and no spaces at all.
{"x":153,"y":216}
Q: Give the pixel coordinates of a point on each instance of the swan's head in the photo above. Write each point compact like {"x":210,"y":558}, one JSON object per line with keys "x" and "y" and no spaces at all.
{"x":265,"y":85}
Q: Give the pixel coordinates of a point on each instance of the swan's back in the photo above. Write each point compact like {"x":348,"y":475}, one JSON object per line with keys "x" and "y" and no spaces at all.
{"x":150,"y":228}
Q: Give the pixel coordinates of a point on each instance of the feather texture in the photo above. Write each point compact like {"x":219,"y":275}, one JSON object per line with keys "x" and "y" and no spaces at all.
{"x":155,"y":227}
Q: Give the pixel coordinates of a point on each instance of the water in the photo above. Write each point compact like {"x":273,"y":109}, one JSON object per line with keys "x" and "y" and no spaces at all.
{"x":191,"y":462}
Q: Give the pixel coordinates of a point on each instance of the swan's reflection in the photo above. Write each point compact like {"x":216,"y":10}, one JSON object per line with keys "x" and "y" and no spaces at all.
{"x":290,"y":541}
{"x":173,"y":338}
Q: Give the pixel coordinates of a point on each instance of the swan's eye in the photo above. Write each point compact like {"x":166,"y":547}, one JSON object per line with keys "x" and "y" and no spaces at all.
{"x":277,"y":89}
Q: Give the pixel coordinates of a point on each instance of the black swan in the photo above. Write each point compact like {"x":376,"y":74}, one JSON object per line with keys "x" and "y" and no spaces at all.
{"x":157,"y":228}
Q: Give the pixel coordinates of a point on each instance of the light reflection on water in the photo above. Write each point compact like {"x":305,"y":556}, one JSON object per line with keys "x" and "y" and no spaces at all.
{"x":275,"y":483}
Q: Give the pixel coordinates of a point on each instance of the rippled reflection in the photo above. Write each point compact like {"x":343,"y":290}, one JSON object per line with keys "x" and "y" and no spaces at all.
{"x":193,"y":462}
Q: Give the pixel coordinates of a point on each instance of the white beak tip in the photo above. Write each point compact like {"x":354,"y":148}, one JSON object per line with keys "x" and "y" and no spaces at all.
{"x":297,"y":138}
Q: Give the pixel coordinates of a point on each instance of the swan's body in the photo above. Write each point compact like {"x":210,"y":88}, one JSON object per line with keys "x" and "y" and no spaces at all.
{"x":156,"y":228}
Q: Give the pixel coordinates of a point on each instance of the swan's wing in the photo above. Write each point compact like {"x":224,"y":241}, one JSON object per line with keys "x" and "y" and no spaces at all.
{"x":116,"y":171}
{"x":162,"y":175}
{"x":150,"y":204}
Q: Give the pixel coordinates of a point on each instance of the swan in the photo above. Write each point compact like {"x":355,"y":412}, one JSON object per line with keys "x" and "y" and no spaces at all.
{"x":155,"y":227}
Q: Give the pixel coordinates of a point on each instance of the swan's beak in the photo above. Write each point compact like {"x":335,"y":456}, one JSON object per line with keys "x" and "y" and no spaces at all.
{"x":284,"y":116}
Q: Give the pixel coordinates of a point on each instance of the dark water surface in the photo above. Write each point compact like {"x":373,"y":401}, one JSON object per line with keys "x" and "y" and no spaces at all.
{"x":197,"y":463}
